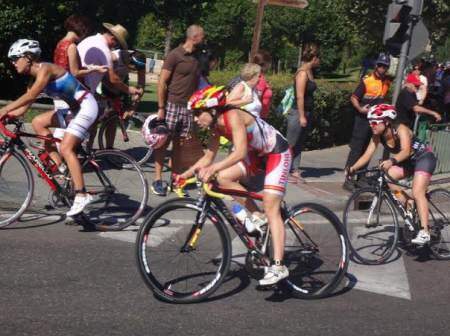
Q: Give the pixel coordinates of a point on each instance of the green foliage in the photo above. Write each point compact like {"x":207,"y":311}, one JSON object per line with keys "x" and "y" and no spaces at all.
{"x":150,"y":33}
{"x":333,"y":114}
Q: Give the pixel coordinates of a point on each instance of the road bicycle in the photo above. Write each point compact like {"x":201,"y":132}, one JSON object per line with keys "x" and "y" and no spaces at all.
{"x":371,"y":220}
{"x":184,"y":248}
{"x":120,"y":194}
{"x":118,"y":122}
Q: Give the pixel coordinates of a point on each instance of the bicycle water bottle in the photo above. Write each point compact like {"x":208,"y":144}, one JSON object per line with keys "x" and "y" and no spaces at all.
{"x":241,"y":214}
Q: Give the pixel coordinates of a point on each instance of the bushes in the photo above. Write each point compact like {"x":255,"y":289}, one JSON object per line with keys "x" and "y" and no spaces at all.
{"x":332,"y":117}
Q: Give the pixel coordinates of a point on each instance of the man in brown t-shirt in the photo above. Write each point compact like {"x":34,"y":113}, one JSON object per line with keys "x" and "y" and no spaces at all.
{"x":177,"y":82}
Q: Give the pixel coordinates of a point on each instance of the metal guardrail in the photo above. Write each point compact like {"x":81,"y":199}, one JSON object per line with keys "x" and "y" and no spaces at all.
{"x":438,"y":136}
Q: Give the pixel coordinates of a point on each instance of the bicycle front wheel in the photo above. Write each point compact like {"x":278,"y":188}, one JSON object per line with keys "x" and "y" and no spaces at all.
{"x":183,"y":254}
{"x":439,"y":207}
{"x":315,"y":251}
{"x":16,"y":186}
{"x":120,"y":193}
{"x":128,"y":139}
{"x":372,"y":226}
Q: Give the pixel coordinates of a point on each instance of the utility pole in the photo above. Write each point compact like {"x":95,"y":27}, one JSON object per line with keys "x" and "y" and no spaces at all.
{"x":257,"y":30}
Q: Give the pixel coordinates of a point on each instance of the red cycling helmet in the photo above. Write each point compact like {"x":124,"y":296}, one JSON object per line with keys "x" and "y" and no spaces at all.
{"x":207,"y":98}
{"x":381,"y":112}
{"x":155,"y":132}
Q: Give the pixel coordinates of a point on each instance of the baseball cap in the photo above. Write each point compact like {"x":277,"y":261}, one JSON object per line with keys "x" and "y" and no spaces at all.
{"x":413,"y":79}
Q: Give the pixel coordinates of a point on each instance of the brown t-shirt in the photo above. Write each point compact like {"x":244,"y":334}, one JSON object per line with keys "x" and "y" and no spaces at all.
{"x":185,"y":75}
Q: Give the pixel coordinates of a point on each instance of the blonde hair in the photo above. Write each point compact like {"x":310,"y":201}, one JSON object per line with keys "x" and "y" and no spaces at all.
{"x":249,"y":71}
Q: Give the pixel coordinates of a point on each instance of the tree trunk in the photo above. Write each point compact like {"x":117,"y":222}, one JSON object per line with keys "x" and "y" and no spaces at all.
{"x":168,"y":39}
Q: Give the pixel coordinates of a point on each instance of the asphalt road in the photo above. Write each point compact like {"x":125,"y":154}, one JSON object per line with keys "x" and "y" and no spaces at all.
{"x":56,"y":280}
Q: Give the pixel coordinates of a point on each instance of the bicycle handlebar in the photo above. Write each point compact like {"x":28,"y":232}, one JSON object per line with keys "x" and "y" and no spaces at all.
{"x":383,"y":174}
{"x":4,"y":119}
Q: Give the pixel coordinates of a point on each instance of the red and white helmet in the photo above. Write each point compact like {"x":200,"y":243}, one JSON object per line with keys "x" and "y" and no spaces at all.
{"x":155,"y":132}
{"x":381,"y":112}
{"x":207,"y":98}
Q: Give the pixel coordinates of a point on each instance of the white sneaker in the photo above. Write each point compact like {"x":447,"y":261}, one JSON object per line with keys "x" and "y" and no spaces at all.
{"x":422,"y":238}
{"x":274,"y":274}
{"x":79,"y":203}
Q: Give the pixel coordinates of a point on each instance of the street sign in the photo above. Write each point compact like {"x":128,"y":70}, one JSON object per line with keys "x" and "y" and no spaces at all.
{"x":289,"y":3}
{"x":419,"y":40}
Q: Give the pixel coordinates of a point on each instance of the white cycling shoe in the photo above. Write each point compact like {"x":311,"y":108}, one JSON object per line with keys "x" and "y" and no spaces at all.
{"x":422,"y":238}
{"x":274,"y":274}
{"x":80,"y":202}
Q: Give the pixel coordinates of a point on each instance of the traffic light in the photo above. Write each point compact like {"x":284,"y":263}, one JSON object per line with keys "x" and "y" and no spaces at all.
{"x":399,"y":18}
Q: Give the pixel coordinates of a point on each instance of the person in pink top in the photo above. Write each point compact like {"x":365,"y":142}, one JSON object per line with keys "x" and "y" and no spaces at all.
{"x":262,"y":88}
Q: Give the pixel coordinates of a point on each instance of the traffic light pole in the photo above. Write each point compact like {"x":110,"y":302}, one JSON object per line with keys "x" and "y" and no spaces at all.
{"x":402,"y":63}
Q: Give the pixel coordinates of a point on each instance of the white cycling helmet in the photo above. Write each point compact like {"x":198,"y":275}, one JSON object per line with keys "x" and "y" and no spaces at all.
{"x":23,"y":47}
{"x":155,"y":132}
{"x":381,"y":112}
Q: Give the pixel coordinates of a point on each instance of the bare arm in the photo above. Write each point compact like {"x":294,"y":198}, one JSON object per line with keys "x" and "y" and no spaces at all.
{"x":207,"y":158}
{"x":162,"y":92}
{"x":356,"y":104}
{"x":42,"y":79}
{"x":236,"y":96}
{"x":300,"y":87}
{"x":365,"y":158}
{"x":422,"y":110}
{"x":74,"y":64}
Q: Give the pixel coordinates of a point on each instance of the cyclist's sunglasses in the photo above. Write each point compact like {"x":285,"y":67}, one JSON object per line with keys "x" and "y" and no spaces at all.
{"x":375,"y":122}
{"x":14,"y":59}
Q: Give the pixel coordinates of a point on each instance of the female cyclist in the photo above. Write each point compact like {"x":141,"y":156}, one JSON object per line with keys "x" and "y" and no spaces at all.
{"x":56,"y":82}
{"x":254,"y":141}
{"x":410,"y":156}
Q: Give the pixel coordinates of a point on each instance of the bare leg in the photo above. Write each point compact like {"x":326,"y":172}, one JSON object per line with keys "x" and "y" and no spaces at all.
{"x":419,"y":189}
{"x":41,"y":124}
{"x":228,"y":178}
{"x":271,"y":204}
{"x":68,"y":145}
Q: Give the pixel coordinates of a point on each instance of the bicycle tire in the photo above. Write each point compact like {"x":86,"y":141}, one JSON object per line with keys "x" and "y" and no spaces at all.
{"x":316,"y":253}
{"x":14,"y":203}
{"x":372,"y":228}
{"x":439,"y":201}
{"x":135,"y":146}
{"x":119,"y":188}
{"x":165,"y":266}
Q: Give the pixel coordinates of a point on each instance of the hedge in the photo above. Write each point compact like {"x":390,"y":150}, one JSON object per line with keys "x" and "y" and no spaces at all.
{"x":332,"y":119}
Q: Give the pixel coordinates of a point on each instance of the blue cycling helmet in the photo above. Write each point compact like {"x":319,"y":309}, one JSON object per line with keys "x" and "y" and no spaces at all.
{"x":383,"y":59}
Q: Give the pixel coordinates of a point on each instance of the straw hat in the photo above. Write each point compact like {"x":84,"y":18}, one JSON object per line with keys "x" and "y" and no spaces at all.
{"x":119,"y":32}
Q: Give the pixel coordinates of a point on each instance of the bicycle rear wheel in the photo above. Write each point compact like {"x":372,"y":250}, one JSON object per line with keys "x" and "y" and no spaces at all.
{"x":439,"y":207}
{"x":315,"y":251}
{"x":16,"y":186}
{"x":111,"y":136}
{"x":372,"y":226}
{"x":183,"y":254}
{"x":120,"y":193}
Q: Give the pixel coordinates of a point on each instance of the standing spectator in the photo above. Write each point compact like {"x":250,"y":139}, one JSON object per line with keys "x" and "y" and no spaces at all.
{"x":96,"y":50}
{"x":299,"y":117}
{"x":445,"y":82}
{"x":208,"y":61}
{"x":178,"y":80}
{"x":244,"y":94}
{"x":423,"y":88}
{"x":263,"y":89}
{"x":372,"y":90}
{"x":408,"y":106}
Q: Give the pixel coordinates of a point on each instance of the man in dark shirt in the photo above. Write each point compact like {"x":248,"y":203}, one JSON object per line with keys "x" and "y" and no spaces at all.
{"x":371,"y":90}
{"x":407,"y":105}
{"x":178,"y":80}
